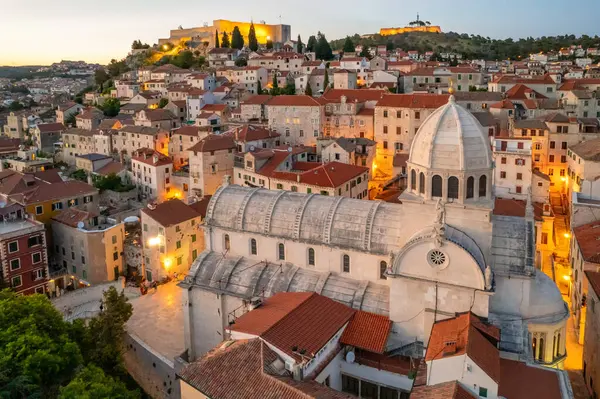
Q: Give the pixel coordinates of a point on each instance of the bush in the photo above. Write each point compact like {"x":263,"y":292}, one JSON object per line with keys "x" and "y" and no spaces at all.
{"x":112,"y":182}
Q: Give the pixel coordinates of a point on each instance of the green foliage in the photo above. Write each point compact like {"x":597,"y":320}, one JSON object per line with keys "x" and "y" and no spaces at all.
{"x":252,"y":41}
{"x":79,"y":174}
{"x":308,"y":90}
{"x":112,"y":182}
{"x":70,"y":120}
{"x":237,"y":40}
{"x":116,"y":68}
{"x":241,"y":62}
{"x":269,"y":44}
{"x":137,"y":45}
{"x":163,"y":102}
{"x":225,"y":40}
{"x":15,"y":106}
{"x":275,"y":82}
{"x":108,"y":88}
{"x":289,"y":89}
{"x":365,"y":52}
{"x":348,"y":45}
{"x":92,"y":383}
{"x":300,"y":45}
{"x":36,"y":353}
{"x":100,"y":76}
{"x":312,"y":44}
{"x":184,"y":59}
{"x":217,"y":39}
{"x":323,"y":49}
{"x":259,"y":88}
{"x":326,"y":81}
{"x":111,"y":107}
{"x":19,"y":89}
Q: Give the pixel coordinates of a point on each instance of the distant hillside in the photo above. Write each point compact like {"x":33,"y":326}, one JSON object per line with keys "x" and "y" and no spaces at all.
{"x":17,"y":72}
{"x":472,"y":46}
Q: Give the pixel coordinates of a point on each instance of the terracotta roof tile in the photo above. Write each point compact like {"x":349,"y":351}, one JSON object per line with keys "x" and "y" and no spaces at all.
{"x":594,"y":280}
{"x":445,"y":390}
{"x":214,"y":142}
{"x":50,"y":127}
{"x":258,"y":99}
{"x":252,"y":133}
{"x":150,"y":157}
{"x":72,"y":216}
{"x":159,"y":114}
{"x":504,"y":104}
{"x":358,"y":95}
{"x":186,"y":130}
{"x":520,"y":381}
{"x":400,"y":160}
{"x":110,"y":168}
{"x":294,"y":101}
{"x":367,"y":331}
{"x":201,"y":206}
{"x":589,"y":150}
{"x":588,"y":239}
{"x":331,"y":174}
{"x":215,"y":107}
{"x":171,"y":212}
{"x":514,"y":207}
{"x":514,"y":79}
{"x":413,"y":100}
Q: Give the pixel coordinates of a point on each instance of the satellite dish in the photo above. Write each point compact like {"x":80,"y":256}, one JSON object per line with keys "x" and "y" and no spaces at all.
{"x":80,"y":225}
{"x":131,"y":219}
{"x":290,"y":149}
{"x":252,"y":148}
{"x":350,"y":357}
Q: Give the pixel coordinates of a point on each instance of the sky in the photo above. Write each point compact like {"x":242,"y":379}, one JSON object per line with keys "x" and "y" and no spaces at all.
{"x":40,"y":32}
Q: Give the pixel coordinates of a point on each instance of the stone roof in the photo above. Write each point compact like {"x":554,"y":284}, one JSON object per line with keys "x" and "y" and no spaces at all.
{"x":521,"y":381}
{"x":588,"y":240}
{"x":513,"y":245}
{"x":245,"y":278}
{"x":171,"y":212}
{"x":444,"y":390}
{"x":589,"y":150}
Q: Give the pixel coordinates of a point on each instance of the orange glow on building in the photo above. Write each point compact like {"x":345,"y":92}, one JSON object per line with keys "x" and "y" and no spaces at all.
{"x":408,"y":29}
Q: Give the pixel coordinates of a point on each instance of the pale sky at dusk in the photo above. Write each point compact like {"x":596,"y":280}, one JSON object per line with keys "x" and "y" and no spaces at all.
{"x":42,"y":31}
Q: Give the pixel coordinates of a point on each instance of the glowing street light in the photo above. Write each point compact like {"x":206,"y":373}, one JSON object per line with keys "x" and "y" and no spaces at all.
{"x":165,"y":47}
{"x":567,"y":278}
{"x":567,"y":235}
{"x":167,"y":262}
{"x":154,"y":241}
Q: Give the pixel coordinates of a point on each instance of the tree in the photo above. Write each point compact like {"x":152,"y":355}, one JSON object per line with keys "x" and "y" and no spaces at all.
{"x":92,"y":383}
{"x":103,"y":342}
{"x":269,"y":44}
{"x":217,"y":39}
{"x":225,"y":40}
{"x":323,"y":49}
{"x":241,"y":62}
{"x":252,"y":41}
{"x":36,"y":353}
{"x":100,"y":76}
{"x":237,"y":40}
{"x":163,"y":102}
{"x":258,"y":87}
{"x":312,"y":43}
{"x":308,"y":90}
{"x":289,"y":89}
{"x":79,"y":174}
{"x":15,"y":106}
{"x":348,"y":45}
{"x":116,"y":68}
{"x":364,"y":53}
{"x":326,"y":81}
{"x":300,"y":45}
{"x":112,"y":182}
{"x":184,"y":60}
{"x":111,"y":107}
{"x":275,"y":90}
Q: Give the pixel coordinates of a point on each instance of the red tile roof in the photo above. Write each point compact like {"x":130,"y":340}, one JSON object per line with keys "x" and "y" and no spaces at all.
{"x":331,"y":174}
{"x":520,"y":381}
{"x":413,"y":100}
{"x":513,"y":207}
{"x":445,"y":390}
{"x":588,"y":239}
{"x":110,"y":168}
{"x":367,"y":331}
{"x":50,"y":127}
{"x":159,"y":114}
{"x":252,"y":133}
{"x":72,"y":216}
{"x":246,"y":369}
{"x":466,"y":334}
{"x":572,"y":84}
{"x":514,"y":79}
{"x":520,"y":92}
{"x":214,"y":142}
{"x":504,"y":104}
{"x":187,"y":130}
{"x":172,"y":212}
{"x":358,"y":95}
{"x":201,"y":206}
{"x":150,"y":157}
{"x":258,"y":99}
{"x":294,"y":101}
{"x":594,"y":280}
{"x":400,"y":160}
{"x":214,"y":108}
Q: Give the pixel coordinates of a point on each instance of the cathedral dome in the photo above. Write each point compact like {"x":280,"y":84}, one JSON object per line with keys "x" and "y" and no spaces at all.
{"x":451,"y":139}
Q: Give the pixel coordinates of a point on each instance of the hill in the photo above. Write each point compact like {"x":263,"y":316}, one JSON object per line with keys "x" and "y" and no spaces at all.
{"x":471,"y":46}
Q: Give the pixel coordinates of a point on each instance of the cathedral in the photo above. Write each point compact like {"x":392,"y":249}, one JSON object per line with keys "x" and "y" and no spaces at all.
{"x":441,"y":251}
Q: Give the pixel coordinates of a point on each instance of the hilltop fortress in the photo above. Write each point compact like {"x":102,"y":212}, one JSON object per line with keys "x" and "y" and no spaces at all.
{"x":277,"y":33}
{"x":414,"y":26}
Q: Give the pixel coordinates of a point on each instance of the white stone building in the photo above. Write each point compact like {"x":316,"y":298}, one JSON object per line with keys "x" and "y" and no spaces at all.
{"x":298,"y":119}
{"x":151,"y":174}
{"x":209,"y":161}
{"x":513,"y":172}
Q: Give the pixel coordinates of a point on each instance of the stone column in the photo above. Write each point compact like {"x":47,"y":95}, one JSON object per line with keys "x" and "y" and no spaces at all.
{"x":445,"y":187}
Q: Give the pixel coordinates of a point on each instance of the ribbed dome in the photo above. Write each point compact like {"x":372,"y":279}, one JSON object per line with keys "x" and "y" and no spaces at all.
{"x":451,"y":139}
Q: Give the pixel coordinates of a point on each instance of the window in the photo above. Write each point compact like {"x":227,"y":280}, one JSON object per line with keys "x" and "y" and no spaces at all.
{"x":519,"y":176}
{"x":544,"y":238}
{"x":552,"y":144}
{"x":520,"y":146}
{"x":470,"y":187}
{"x":83,"y":259}
{"x":349,"y":384}
{"x":115,"y":255}
{"x":483,"y":392}
{"x":413,"y":180}
{"x":281,"y":251}
{"x":385,"y":113}
{"x":385,"y":129}
{"x":39,"y":210}
{"x":538,"y":146}
{"x":563,"y":145}
{"x":551,"y":158}
{"x":114,"y":239}
{"x":16,"y":281}
{"x":72,"y":255}
{"x":417,"y":115}
{"x":311,"y":256}
{"x":422,"y":183}
{"x":253,"y":249}
{"x":57,"y":206}
{"x":194,"y":254}
{"x":193,"y":237}
{"x":519,"y":189}
{"x":483,"y":186}
{"x":563,"y":158}
{"x":382,"y":270}
{"x":279,"y":186}
{"x":385,"y":145}
{"x":346,"y":264}
{"x":178,"y":245}
{"x":13,"y":247}
{"x":503,"y":160}
{"x":179,"y":260}
{"x":15,"y":264}
{"x":436,"y":186}
{"x":36,"y":257}
{"x":453,"y":187}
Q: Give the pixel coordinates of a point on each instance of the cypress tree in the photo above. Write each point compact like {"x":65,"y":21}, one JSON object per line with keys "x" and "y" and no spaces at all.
{"x":217,"y":39}
{"x":300,"y":45}
{"x":312,"y":43}
{"x":258,"y":88}
{"x":252,"y":42}
{"x":348,"y":45}
{"x":308,"y":90}
{"x":237,"y":40}
{"x":326,"y":82}
{"x":225,"y":41}
{"x":269,"y":44}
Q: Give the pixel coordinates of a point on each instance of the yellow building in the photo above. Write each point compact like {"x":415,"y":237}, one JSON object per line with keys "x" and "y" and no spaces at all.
{"x":408,"y":29}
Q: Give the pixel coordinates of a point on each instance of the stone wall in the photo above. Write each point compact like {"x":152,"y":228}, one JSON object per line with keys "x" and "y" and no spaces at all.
{"x":117,"y":200}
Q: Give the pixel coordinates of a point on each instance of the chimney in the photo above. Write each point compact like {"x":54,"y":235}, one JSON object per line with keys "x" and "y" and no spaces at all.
{"x":449,"y":347}
{"x":155,"y":158}
{"x":89,"y":179}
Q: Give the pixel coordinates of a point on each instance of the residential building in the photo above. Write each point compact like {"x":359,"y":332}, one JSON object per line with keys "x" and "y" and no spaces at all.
{"x":132,"y":138}
{"x":89,"y":118}
{"x":196,"y":100}
{"x":439,"y":80}
{"x":76,"y":141}
{"x":542,"y":84}
{"x":66,"y":111}
{"x":591,"y":366}
{"x":584,"y":169}
{"x":157,"y":118}
{"x":151,"y":174}
{"x":89,"y":246}
{"x":45,"y":135}
{"x":252,"y":137}
{"x":27,"y":161}
{"x":298,"y":119}
{"x":513,"y":172}
{"x":149,"y":99}
{"x":210,"y":160}
{"x":353,"y":151}
{"x":14,"y":128}
{"x":92,"y":162}
{"x":24,"y":251}
{"x":202,"y":81}
{"x":221,"y":57}
{"x":254,"y":108}
{"x":181,"y":140}
{"x":344,"y":79}
{"x":173,"y":238}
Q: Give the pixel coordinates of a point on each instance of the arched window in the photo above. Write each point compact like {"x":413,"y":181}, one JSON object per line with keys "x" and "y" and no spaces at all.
{"x":483,"y":186}
{"x":253,"y":250}
{"x":453,"y":187}
{"x":558,"y":346}
{"x":422,"y":183}
{"x":311,"y":256}
{"x":538,"y":146}
{"x":554,"y":351}
{"x":227,"y":242}
{"x":541,"y":356}
{"x":346,"y":264}
{"x":470,"y":187}
{"x":281,"y":252}
{"x":413,"y":180}
{"x":533,"y":346}
{"x":436,"y":186}
{"x":382,"y":270}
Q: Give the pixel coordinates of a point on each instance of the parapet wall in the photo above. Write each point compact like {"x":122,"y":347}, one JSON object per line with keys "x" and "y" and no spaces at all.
{"x":408,"y":29}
